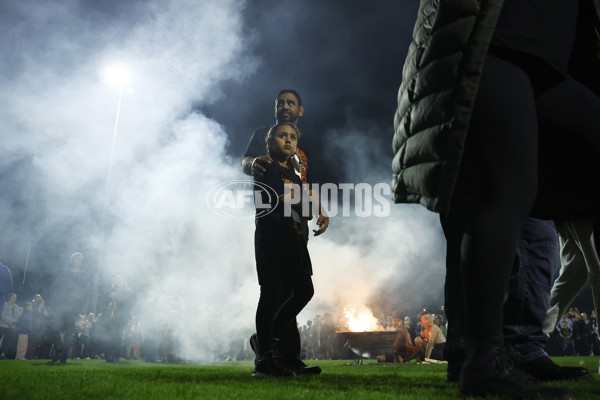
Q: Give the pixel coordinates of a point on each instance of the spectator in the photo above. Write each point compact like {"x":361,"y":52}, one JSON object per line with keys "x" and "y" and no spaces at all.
{"x":24,"y":330}
{"x":8,"y":321}
{"x":37,"y":336}
{"x":566,"y":319}
{"x":566,"y":334}
{"x":432,"y":341}
{"x":115,"y":316}
{"x":581,"y":335}
{"x":70,"y":297}
{"x":404,"y":350}
{"x":6,"y":284}
{"x":410,"y":328}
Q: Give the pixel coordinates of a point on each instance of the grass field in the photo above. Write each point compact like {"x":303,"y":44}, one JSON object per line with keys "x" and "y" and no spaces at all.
{"x":96,"y":379}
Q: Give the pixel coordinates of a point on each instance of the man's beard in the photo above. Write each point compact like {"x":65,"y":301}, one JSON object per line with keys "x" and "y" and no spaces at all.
{"x":285,"y":117}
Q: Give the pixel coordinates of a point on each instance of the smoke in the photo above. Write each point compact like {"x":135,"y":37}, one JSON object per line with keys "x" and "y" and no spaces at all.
{"x":143,"y":212}
{"x":196,"y":69}
{"x":384,"y":264}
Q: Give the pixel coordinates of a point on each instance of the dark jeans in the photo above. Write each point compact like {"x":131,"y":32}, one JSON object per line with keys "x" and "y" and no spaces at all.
{"x":527,"y":297}
{"x":529,"y":287}
{"x":9,"y":343}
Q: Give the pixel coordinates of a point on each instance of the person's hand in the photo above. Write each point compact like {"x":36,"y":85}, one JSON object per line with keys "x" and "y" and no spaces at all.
{"x":323,"y":223}
{"x":259,"y":165}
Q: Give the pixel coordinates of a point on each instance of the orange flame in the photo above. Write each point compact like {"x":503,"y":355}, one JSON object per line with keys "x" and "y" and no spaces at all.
{"x":364,"y":321}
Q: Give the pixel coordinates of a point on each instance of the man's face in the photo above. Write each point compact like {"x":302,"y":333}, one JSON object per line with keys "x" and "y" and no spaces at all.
{"x":287,"y":108}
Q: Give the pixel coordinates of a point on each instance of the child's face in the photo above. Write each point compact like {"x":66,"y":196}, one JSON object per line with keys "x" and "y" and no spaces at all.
{"x":284,"y":141}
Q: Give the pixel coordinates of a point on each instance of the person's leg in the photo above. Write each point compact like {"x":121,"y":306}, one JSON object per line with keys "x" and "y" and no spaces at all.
{"x":21,"y":346}
{"x":302,"y":292}
{"x":582,"y":232}
{"x":3,"y":342}
{"x":14,"y":338}
{"x":527,"y":303}
{"x":529,"y":289}
{"x":69,"y":338}
{"x":267,"y":365}
{"x":572,"y":277}
{"x":289,"y":338}
{"x":503,"y":132}
{"x":453,"y":226}
{"x":573,"y":110}
{"x":265,"y":312}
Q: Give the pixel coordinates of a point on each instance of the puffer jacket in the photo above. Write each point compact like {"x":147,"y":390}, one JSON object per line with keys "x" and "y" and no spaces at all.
{"x":439,"y":83}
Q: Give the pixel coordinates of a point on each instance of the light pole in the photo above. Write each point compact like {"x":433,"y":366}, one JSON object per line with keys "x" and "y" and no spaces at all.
{"x":115,"y":76}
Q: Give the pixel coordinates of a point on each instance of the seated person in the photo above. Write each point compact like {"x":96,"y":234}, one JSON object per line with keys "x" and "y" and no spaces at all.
{"x":432,"y":341}
{"x":404,"y":350}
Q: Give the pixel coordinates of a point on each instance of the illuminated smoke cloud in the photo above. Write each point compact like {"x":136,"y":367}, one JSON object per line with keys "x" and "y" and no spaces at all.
{"x":155,"y":226}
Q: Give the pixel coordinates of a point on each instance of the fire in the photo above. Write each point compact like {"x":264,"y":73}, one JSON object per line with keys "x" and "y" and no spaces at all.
{"x":365,"y":321}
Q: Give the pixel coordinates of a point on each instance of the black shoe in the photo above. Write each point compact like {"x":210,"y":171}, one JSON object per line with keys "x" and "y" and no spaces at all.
{"x":269,"y":367}
{"x":300,"y":368}
{"x":453,"y":371}
{"x":504,"y":380}
{"x":544,"y":369}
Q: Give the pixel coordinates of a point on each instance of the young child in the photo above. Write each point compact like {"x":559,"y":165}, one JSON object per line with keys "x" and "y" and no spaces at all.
{"x":282,"y":258}
{"x":566,"y":334}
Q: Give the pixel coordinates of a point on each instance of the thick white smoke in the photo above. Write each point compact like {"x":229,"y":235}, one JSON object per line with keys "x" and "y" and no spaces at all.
{"x":383,"y":264}
{"x":58,"y":111}
{"x":154,"y":225}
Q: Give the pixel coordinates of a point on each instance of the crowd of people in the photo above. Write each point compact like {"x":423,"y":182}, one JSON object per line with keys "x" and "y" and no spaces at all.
{"x":62,"y":328}
{"x":576,"y":334}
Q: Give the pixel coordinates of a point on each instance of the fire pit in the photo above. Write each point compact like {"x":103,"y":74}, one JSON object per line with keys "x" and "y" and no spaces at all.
{"x":370,"y":344}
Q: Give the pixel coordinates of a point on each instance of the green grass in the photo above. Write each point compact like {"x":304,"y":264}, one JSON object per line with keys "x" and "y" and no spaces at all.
{"x":96,"y":379}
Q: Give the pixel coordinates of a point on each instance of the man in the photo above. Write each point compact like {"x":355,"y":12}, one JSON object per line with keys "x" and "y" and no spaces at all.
{"x":288,"y":108}
{"x":70,"y":297}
